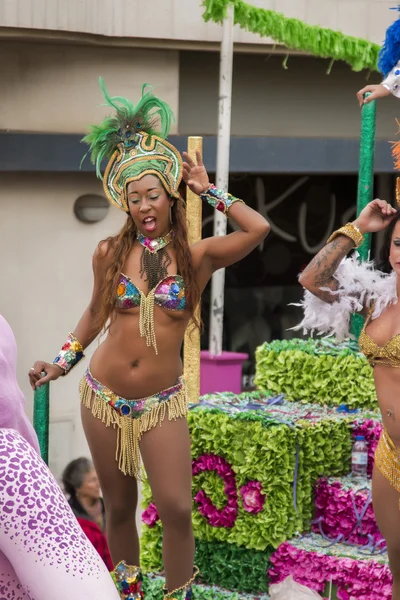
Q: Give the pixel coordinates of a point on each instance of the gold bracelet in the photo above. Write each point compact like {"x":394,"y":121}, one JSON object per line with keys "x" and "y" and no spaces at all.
{"x":351,"y":231}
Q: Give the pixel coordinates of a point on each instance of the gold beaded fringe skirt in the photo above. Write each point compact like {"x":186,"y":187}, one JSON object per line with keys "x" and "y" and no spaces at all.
{"x":387,"y":460}
{"x":132,"y":417}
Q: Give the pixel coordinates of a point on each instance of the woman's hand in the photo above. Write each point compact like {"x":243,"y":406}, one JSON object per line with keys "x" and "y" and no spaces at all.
{"x":195,"y":176}
{"x":375,"y":216}
{"x":36,"y":377}
{"x":377,"y":91}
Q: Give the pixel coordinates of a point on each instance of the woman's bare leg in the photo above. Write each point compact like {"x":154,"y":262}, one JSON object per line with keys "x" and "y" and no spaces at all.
{"x":120,"y":492}
{"x":167,"y":459}
{"x":387,"y":514}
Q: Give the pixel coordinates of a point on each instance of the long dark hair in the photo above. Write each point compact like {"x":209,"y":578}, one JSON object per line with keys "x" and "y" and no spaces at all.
{"x":382,"y":262}
{"x":121,"y":245}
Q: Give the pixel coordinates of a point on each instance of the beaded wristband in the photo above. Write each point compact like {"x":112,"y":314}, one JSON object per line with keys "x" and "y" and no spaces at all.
{"x":219,"y":199}
{"x":70,"y":354}
{"x":351,"y":231}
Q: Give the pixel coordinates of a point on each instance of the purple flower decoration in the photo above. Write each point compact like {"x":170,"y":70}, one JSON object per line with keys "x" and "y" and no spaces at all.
{"x":150,"y":516}
{"x":252,"y":498}
{"x":226,"y":516}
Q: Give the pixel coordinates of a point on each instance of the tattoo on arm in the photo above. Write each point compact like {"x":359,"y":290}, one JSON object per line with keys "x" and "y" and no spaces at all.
{"x":326,"y":262}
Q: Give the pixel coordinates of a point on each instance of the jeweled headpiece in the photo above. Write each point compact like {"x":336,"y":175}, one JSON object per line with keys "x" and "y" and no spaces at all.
{"x":134,"y":142}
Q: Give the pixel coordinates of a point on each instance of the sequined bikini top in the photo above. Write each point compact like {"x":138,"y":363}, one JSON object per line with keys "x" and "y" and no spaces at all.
{"x":169,"y":293}
{"x":387,"y":355}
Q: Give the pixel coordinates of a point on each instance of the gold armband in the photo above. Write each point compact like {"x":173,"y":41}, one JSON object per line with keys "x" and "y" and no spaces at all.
{"x":351,"y":231}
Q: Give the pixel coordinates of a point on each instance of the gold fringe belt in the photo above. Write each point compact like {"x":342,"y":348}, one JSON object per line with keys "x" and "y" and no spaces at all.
{"x":132,"y":417}
{"x":387,"y":460}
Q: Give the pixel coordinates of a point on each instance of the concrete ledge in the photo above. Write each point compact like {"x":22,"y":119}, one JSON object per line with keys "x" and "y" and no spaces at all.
{"x":57,"y":152}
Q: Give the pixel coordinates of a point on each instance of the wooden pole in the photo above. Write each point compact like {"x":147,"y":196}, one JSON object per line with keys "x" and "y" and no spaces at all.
{"x":191,"y":348}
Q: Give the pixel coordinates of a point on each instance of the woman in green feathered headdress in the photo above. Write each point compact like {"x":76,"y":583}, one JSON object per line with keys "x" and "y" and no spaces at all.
{"x":147,"y":283}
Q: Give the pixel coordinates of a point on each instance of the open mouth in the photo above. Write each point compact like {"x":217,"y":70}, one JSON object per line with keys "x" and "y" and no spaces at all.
{"x":149,"y":223}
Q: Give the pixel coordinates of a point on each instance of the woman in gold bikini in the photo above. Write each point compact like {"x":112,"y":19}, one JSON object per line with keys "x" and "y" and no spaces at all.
{"x":337,"y":286}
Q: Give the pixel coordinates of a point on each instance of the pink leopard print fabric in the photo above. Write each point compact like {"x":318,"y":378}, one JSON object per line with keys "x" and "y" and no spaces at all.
{"x":39,"y":535}
{"x":10,"y":586}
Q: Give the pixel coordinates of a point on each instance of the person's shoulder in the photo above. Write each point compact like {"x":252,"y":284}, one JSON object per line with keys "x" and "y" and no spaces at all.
{"x":103,"y":249}
{"x":103,"y":254}
{"x":5,"y":326}
{"x":8,"y":344}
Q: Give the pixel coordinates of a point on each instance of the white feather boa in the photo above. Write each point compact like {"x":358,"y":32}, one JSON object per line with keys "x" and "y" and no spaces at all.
{"x":359,"y":286}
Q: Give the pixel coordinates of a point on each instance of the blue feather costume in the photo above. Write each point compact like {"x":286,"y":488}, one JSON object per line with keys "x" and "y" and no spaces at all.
{"x":389,"y":55}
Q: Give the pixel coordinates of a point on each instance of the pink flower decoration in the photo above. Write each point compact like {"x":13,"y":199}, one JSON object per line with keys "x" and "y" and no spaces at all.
{"x":371,"y":430}
{"x":226,"y":516}
{"x":253,"y":499}
{"x":355,"y":580}
{"x":335,"y":514}
{"x":150,"y":516}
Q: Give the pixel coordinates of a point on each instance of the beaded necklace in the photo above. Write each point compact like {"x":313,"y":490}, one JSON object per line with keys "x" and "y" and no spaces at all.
{"x":154,"y":260}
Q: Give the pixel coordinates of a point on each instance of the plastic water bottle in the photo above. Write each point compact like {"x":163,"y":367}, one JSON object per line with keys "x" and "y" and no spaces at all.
{"x":359,"y":458}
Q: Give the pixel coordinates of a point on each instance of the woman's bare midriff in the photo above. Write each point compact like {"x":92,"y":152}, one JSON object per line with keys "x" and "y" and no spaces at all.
{"x":127,"y":366}
{"x":387,"y":383}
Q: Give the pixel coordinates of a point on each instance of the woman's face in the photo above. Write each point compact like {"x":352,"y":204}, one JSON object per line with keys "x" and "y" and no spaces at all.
{"x":90,"y":485}
{"x":394,"y":256}
{"x":149,"y":206}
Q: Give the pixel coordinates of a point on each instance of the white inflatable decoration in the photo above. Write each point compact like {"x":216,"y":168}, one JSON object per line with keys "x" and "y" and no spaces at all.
{"x":290,"y":590}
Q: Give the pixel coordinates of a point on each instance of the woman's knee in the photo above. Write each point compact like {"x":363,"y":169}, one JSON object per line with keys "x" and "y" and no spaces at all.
{"x":175,"y":512}
{"x":119,"y":510}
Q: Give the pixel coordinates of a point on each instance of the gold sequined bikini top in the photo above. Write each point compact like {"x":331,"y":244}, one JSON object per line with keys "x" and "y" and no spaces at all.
{"x":387,"y":355}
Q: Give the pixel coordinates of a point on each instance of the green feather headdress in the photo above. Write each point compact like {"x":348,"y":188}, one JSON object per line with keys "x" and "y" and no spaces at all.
{"x":133,"y":142}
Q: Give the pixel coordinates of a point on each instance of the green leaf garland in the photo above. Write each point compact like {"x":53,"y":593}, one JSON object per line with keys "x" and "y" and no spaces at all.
{"x":152,"y":587}
{"x":248,"y":568}
{"x":305,"y":371}
{"x":296,"y":35}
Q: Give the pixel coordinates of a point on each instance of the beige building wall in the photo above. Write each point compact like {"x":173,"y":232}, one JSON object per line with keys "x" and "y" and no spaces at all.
{"x":54,"y":87}
{"x":182,"y":19}
{"x":46,"y":283}
{"x":269,"y":100}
